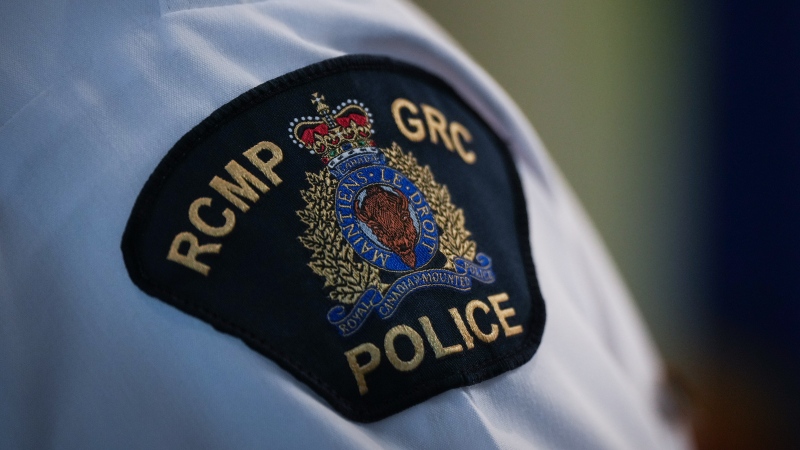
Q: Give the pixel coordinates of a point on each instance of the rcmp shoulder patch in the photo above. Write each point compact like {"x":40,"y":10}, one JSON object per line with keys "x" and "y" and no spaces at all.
{"x":377,"y":248}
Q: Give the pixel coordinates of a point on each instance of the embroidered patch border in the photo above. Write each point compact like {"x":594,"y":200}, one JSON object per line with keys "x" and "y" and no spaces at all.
{"x":453,"y":241}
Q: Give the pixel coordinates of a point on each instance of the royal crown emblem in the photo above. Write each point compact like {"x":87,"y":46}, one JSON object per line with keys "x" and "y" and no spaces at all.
{"x":379,"y":226}
{"x":342,"y":258}
{"x":332,"y":132}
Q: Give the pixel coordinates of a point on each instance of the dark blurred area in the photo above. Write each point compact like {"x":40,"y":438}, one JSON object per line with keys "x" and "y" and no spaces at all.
{"x":678,"y":126}
{"x":756,"y":225}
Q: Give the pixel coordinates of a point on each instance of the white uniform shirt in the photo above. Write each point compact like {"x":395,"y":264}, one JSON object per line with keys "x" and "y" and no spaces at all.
{"x":92,"y":97}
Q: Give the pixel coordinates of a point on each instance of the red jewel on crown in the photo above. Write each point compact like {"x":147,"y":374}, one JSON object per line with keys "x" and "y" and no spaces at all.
{"x":333,"y":131}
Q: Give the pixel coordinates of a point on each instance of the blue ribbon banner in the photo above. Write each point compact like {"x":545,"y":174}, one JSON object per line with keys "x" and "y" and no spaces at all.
{"x":351,"y":160}
{"x":348,"y":323}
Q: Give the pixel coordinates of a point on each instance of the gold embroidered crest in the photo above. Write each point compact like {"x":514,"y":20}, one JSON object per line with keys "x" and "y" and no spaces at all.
{"x":333,"y":258}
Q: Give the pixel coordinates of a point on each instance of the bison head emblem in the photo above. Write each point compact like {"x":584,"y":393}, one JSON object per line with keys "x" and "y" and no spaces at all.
{"x":385,"y":212}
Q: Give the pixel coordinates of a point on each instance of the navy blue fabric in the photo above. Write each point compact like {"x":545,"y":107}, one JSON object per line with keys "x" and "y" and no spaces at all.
{"x":756,"y":258}
{"x":260,"y":287}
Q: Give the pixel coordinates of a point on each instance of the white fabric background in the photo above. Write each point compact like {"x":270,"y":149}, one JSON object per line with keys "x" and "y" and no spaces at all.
{"x":92,"y":96}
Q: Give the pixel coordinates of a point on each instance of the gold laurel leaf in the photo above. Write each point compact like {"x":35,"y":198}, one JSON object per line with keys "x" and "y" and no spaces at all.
{"x":453,"y":236}
{"x":331,"y":255}
{"x":333,"y":258}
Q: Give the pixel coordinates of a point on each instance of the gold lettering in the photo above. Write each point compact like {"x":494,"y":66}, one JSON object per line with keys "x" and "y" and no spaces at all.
{"x":344,"y":196}
{"x":417,"y":131}
{"x":365,"y":248}
{"x":457,"y":132}
{"x":266,"y":167}
{"x":437,"y":125}
{"x":350,"y":183}
{"x":351,"y":230}
{"x":380,"y":258}
{"x":503,"y":314}
{"x":433,"y":339}
{"x":391,"y":353}
{"x":189,"y":259}
{"x":200,"y":224}
{"x":230,"y":191}
{"x":358,"y":370}
{"x":470,"y":313}
{"x":462,"y":328}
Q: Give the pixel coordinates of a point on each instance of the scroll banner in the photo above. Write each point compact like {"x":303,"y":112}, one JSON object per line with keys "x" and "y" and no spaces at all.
{"x":386,"y":304}
{"x":351,"y":160}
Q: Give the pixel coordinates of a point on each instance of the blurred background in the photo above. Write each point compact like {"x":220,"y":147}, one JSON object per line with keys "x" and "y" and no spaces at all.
{"x":678,"y":125}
